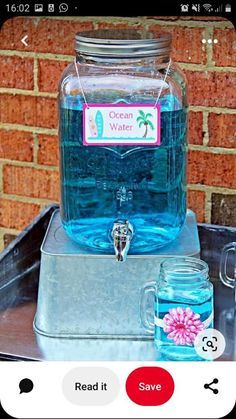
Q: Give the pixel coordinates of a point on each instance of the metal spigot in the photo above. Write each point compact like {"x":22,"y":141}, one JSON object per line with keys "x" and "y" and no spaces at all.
{"x":122,"y":234}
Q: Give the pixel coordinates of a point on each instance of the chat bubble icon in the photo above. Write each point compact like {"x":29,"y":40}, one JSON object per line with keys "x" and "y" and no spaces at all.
{"x":63,"y":7}
{"x":26,"y":385}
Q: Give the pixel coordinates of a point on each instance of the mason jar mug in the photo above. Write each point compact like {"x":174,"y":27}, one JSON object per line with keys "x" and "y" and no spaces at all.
{"x":184,"y":307}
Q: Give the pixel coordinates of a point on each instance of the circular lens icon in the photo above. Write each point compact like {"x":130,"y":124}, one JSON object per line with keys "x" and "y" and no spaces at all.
{"x":210,"y":344}
{"x":26,"y":385}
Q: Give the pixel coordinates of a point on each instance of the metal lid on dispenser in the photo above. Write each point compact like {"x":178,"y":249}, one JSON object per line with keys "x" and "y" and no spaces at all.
{"x":122,"y":44}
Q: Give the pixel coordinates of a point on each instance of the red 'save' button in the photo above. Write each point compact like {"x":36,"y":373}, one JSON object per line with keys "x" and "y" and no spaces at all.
{"x":150,"y":386}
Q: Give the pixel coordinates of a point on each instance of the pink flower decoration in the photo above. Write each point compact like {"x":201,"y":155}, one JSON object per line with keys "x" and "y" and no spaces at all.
{"x":183,"y":325}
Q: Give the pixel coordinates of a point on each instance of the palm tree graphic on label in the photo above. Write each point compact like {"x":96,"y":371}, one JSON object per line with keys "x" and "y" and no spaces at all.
{"x":143,"y":120}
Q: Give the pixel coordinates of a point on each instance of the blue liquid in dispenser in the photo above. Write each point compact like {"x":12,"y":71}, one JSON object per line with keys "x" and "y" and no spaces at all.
{"x":145,"y":185}
{"x":202,"y":303}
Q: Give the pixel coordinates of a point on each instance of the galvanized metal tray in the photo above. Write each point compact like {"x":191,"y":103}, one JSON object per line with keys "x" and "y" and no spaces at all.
{"x":19,"y":275}
{"x":82,"y":294}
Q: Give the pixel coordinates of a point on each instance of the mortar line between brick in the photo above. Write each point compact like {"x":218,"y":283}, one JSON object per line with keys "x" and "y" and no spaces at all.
{"x":1,"y":241}
{"x":1,"y":179}
{"x":207,"y":210}
{"x":9,"y":230}
{"x":34,"y":164}
{"x":27,"y":128}
{"x":145,"y":24}
{"x":214,"y":109}
{"x":35,"y":148}
{"x":205,"y":128}
{"x":33,"y":93}
{"x":54,"y":131}
{"x":39,"y":55}
{"x":192,"y":23}
{"x":31,"y":165}
{"x":213,"y":189}
{"x":138,"y":20}
{"x":42,"y":206}
{"x":62,"y":57}
{"x":28,"y":199}
{"x":44,"y":201}
{"x":209,"y":35}
{"x":212,"y":150}
{"x":205,"y":67}
{"x":144,"y":21}
{"x":191,"y":187}
{"x":36,"y":89}
{"x":135,"y":20}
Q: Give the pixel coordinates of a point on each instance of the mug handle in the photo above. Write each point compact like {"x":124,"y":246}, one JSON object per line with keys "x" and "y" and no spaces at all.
{"x":150,"y":288}
{"x":229,"y":282}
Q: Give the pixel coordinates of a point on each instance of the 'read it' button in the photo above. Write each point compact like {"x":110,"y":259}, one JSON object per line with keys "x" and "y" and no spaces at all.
{"x":150,"y":386}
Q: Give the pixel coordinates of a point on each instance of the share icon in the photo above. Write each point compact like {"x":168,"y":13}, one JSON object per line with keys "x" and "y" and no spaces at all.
{"x":215,"y":390}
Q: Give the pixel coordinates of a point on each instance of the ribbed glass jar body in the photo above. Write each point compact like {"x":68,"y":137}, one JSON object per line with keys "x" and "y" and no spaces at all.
{"x":145,"y":185}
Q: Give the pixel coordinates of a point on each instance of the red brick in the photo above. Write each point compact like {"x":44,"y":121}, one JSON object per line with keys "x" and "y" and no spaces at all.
{"x":14,"y":214}
{"x":13,"y":31}
{"x":224,"y":52}
{"x":49,"y":74}
{"x":28,"y":110}
{"x":211,"y":88}
{"x":48,"y":152}
{"x":16,"y":72}
{"x":16,"y":145}
{"x":195,"y":132}
{"x":44,"y":34}
{"x":186,"y":42}
{"x":212,"y":169}
{"x":222,"y":130}
{"x":196,"y":202}
{"x":28,"y":181}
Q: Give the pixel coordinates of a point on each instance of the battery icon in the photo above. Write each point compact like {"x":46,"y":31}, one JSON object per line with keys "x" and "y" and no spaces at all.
{"x":228,"y":8}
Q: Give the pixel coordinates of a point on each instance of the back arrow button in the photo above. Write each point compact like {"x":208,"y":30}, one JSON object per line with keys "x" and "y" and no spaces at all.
{"x":23,"y":40}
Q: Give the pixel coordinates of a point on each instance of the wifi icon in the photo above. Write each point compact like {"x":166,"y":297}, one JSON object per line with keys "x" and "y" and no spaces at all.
{"x":208,"y":7}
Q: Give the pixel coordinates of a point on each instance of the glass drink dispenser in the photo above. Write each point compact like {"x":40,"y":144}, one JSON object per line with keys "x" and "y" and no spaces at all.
{"x":123,"y":140}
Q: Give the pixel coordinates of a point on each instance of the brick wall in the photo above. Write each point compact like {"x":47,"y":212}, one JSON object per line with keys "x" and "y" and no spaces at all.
{"x":28,"y":112}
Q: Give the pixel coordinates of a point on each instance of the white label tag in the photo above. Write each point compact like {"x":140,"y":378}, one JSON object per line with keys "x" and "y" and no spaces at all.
{"x":121,"y":124}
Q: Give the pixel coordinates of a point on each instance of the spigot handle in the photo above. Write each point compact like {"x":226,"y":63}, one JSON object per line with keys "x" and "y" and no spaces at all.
{"x":122,"y":234}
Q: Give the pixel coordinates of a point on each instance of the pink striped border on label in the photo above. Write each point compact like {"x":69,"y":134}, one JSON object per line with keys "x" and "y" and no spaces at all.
{"x":121,"y":124}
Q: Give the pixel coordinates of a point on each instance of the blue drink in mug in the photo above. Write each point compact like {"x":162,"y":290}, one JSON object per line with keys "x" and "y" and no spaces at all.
{"x":183,"y":307}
